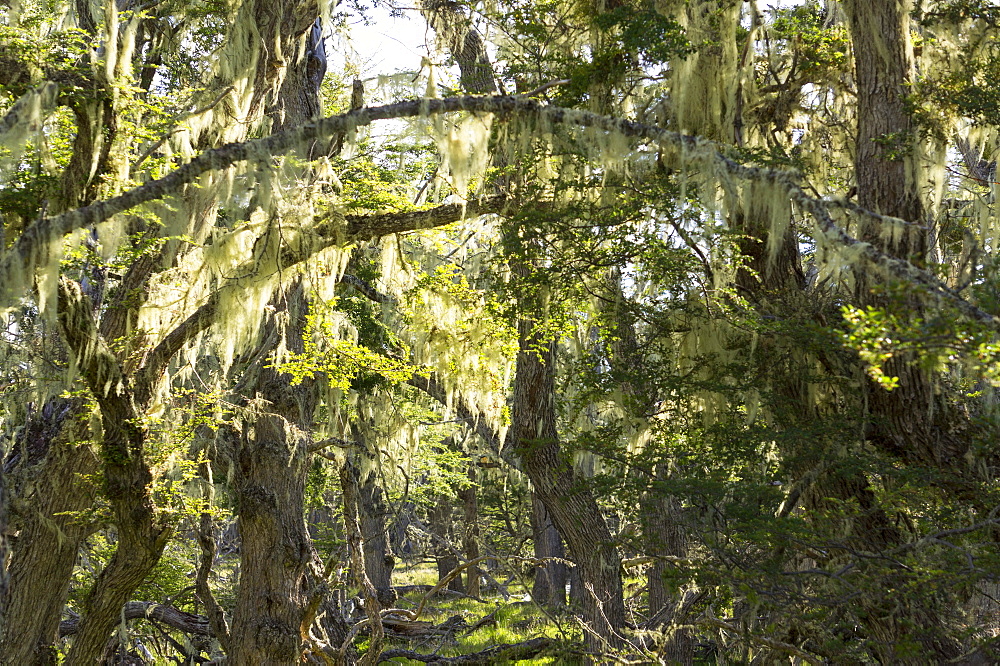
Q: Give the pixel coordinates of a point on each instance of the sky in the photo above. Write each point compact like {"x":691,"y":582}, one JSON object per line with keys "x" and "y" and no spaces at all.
{"x":387,"y":45}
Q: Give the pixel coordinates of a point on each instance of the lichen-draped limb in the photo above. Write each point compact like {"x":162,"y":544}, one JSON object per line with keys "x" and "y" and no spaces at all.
{"x":432,"y":386}
{"x":97,"y":364}
{"x":148,"y":610}
{"x":27,"y":114}
{"x":329,"y":233}
{"x":31,"y":248}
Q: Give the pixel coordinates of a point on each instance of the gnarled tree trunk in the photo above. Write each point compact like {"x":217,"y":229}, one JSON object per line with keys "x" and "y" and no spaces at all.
{"x":53,"y":465}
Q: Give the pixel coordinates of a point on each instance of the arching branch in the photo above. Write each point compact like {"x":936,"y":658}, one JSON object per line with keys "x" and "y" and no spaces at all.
{"x":34,"y":244}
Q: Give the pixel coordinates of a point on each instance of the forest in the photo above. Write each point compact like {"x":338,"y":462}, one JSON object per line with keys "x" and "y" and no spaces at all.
{"x":609,"y":332}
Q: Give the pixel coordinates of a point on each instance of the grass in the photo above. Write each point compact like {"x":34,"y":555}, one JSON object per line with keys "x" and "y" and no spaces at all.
{"x":513,"y":621}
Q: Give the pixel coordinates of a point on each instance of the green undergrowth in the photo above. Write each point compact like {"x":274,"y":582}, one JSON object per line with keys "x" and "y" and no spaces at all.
{"x":512,"y":620}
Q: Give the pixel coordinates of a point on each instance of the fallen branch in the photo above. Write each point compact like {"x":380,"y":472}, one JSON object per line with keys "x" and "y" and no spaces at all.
{"x":498,"y":653}
{"x":189,"y":623}
{"x":403,"y":590}
{"x":419,"y":628}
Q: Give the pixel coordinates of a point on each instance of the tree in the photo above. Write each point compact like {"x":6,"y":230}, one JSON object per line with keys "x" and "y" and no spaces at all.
{"x":711,"y":283}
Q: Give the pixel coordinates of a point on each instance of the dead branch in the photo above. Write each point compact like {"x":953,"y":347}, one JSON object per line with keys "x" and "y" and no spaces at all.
{"x":498,"y":653}
{"x":135,"y":610}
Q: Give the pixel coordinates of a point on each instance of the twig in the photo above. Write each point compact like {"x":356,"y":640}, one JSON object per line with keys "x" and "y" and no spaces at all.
{"x":542,"y":88}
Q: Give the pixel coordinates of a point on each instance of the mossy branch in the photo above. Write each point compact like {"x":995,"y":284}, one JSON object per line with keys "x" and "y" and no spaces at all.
{"x":33,"y":246}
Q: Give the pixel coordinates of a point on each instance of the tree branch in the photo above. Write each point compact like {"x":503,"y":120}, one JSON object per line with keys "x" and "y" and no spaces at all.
{"x":35,"y":242}
{"x":370,"y":292}
{"x":498,"y":653}
{"x":432,"y":386}
{"x":98,"y":366}
{"x":168,"y":615}
{"x":358,"y":227}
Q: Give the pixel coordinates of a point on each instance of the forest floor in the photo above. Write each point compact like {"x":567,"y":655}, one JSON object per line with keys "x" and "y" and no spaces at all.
{"x":458,"y":625}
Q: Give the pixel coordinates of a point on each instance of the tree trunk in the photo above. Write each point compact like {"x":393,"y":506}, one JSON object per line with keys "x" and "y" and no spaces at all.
{"x":444,"y":553}
{"x":355,"y":544}
{"x":912,"y":421}
{"x":379,"y":559}
{"x":270,"y":464}
{"x":141,"y":533}
{"x":277,"y":592}
{"x":659,"y":513}
{"x":549,"y":588}
{"x":470,"y":533}
{"x":269,"y":475}
{"x":45,"y":552}
{"x":533,"y":437}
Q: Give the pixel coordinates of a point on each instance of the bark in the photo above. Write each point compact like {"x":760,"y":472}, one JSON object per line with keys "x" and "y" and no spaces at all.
{"x":189,"y":623}
{"x":270,"y":602}
{"x":141,"y":535}
{"x":549,"y":587}
{"x":207,"y":543}
{"x":534,"y":438}
{"x":379,"y":558}
{"x":503,"y":653}
{"x":270,"y":463}
{"x":440,"y":520}
{"x":470,"y":532}
{"x":4,"y":547}
{"x":665,"y":536}
{"x":52,"y":471}
{"x":464,"y":43}
{"x":278,"y":595}
{"x":355,"y":544}
{"x":914,"y":421}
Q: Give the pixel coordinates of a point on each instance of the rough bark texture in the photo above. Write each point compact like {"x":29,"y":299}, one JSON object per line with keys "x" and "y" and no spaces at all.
{"x":464,"y":43}
{"x":53,"y":462}
{"x":277,"y":596}
{"x":138,"y":610}
{"x":660,"y":515}
{"x":379,"y":558}
{"x":141,"y":535}
{"x":912,"y":421}
{"x":268,"y":485}
{"x":270,"y":462}
{"x":549,"y":587}
{"x":534,"y":438}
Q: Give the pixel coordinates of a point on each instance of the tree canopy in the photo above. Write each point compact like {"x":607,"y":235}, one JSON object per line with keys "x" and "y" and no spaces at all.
{"x":686,"y":310}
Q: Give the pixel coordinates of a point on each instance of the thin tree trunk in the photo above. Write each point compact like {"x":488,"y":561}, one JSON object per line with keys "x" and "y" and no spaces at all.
{"x":470,"y":534}
{"x":440,"y":524}
{"x":355,"y":544}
